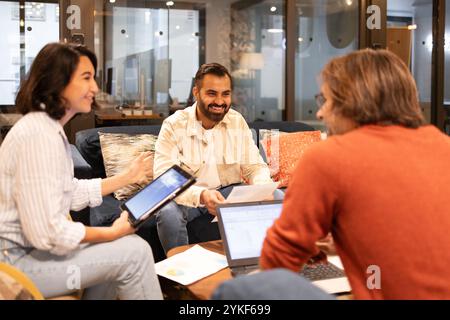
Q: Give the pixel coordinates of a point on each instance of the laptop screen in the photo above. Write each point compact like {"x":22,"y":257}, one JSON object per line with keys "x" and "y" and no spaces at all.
{"x":244,"y":227}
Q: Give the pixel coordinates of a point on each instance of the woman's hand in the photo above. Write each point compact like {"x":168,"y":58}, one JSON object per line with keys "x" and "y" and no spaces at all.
{"x":121,"y":226}
{"x":141,"y":169}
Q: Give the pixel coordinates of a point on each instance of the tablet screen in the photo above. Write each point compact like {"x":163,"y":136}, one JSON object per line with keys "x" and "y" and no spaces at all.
{"x":155,"y":192}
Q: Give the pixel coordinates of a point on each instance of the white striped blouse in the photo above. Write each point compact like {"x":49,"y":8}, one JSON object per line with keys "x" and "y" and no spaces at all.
{"x":37,"y":187}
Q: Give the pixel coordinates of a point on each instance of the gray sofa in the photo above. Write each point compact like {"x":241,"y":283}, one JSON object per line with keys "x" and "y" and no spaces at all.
{"x":88,"y":163}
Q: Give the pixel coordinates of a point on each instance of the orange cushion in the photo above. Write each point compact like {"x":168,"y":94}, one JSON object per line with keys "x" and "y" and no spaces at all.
{"x":283,"y":150}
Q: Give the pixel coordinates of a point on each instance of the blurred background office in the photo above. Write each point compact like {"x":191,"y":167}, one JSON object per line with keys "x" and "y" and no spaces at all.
{"x":149,"y":51}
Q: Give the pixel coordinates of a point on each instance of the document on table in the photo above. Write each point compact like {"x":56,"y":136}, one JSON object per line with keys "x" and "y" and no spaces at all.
{"x":191,"y":265}
{"x":251,"y":193}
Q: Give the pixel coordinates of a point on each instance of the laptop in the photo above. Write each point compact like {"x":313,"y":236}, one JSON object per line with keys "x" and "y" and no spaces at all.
{"x":243,"y":227}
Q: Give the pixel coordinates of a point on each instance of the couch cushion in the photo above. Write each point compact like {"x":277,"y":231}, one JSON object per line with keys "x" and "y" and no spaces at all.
{"x":119,"y":150}
{"x":283,"y":150}
{"x":285,"y":126}
{"x":258,"y":127}
{"x":88,"y":143}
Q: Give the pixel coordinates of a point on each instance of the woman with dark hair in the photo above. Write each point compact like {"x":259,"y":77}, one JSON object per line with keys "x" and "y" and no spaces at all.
{"x":37,"y":191}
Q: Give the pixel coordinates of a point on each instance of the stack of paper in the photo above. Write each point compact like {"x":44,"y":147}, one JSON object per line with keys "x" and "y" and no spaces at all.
{"x":191,"y":265}
{"x":252,"y":193}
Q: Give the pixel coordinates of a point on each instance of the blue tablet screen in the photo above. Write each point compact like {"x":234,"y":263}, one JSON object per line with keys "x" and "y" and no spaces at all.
{"x":155,"y":192}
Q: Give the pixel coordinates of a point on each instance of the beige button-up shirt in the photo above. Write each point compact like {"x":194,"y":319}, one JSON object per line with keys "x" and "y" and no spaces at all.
{"x":182,"y":141}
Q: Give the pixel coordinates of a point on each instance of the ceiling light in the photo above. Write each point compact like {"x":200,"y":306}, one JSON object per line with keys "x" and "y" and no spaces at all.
{"x":273,"y":9}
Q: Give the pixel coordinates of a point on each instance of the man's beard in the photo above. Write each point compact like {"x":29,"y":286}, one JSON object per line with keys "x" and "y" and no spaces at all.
{"x":216,"y":117}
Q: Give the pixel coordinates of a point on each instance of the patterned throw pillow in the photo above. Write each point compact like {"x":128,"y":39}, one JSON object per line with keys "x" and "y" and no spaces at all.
{"x":119,"y":150}
{"x":283,"y":150}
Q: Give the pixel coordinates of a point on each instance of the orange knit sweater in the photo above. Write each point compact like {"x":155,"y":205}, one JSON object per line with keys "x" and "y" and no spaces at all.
{"x":384,"y":194}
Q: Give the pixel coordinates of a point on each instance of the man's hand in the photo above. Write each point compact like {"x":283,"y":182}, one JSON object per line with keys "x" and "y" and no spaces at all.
{"x":141,"y":169}
{"x":327,"y":245}
{"x":211,"y":198}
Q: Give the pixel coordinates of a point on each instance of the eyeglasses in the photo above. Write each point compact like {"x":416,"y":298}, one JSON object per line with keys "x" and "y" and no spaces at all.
{"x":320,"y":99}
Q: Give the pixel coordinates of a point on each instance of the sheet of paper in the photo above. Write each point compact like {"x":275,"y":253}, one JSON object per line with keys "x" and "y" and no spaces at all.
{"x":334,"y":259}
{"x":251,"y":193}
{"x":191,"y":265}
{"x":332,"y":286}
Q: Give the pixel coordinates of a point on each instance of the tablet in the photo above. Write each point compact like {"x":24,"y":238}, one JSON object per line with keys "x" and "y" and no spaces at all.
{"x":157,"y":194}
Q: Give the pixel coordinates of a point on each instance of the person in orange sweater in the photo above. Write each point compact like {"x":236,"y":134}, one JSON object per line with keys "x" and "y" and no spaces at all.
{"x":379,"y":184}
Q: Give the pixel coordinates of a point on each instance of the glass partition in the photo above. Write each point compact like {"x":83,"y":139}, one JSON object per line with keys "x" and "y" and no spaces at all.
{"x":41,"y":27}
{"x":258,"y":45}
{"x":410,"y":36}
{"x":447,"y":67}
{"x":151,"y":54}
{"x":26,"y":28}
{"x":10,"y":53}
{"x":326,"y":29}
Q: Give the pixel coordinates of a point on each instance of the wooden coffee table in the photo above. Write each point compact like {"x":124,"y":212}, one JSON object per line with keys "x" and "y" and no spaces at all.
{"x":202,"y":289}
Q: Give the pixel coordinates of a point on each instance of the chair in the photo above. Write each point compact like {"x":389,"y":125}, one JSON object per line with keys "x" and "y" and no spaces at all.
{"x":24,"y":281}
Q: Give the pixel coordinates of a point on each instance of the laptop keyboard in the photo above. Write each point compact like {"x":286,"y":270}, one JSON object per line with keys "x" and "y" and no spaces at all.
{"x":321,"y":271}
{"x":312,"y":272}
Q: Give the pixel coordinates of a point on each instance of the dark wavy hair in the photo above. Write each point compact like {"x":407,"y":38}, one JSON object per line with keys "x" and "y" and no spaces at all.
{"x":211,"y":68}
{"x":49,"y":74}
{"x":373,"y":87}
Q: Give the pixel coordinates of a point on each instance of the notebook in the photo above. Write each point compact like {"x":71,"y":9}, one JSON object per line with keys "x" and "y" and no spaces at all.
{"x":243,"y":227}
